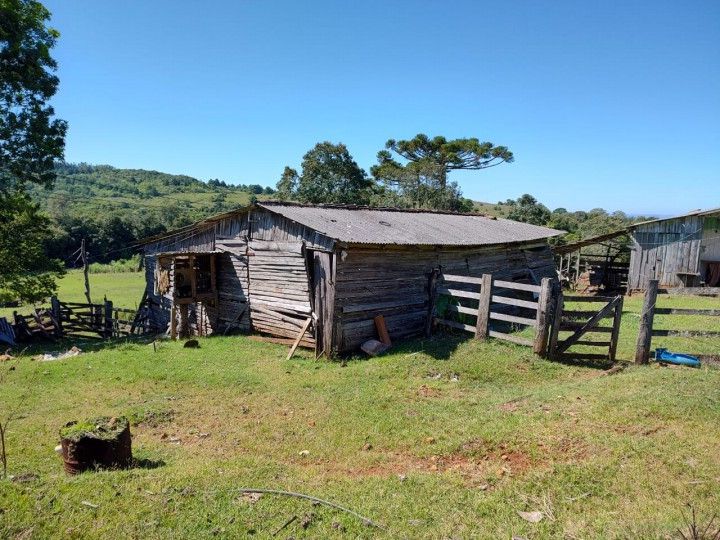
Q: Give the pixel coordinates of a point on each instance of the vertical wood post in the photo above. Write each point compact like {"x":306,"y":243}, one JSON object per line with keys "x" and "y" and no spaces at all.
{"x":382,"y":330}
{"x":108,"y":319}
{"x":557,"y":320}
{"x":432,"y":299}
{"x":173,"y":321}
{"x":86,"y":269}
{"x":184,"y":328}
{"x":644,"y":340}
{"x":57,"y":316}
{"x":577,"y":267}
{"x":542,"y":331}
{"x":616,"y":328}
{"x":483,"y":315}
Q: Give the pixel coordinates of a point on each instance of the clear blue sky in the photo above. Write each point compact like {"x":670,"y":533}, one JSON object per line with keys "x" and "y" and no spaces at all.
{"x":605,"y":104}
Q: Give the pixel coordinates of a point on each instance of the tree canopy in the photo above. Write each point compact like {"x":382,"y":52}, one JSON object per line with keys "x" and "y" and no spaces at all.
{"x":422,"y":182}
{"x":31,"y":139}
{"x":329,"y":175}
{"x":448,"y":155}
{"x":528,"y":210}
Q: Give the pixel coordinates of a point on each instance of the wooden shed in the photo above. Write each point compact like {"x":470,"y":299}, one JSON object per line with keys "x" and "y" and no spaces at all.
{"x":681,"y":251}
{"x":272,"y":266}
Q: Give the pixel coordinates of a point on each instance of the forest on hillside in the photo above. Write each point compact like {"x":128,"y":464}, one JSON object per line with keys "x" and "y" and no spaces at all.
{"x":113,"y":208}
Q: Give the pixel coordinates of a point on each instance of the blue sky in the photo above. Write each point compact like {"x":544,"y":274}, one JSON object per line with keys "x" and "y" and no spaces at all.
{"x":605,"y":104}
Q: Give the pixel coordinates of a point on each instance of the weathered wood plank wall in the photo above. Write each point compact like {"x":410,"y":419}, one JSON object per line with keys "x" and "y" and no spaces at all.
{"x":663,"y":250}
{"x":279,"y":289}
{"x":275,"y":228}
{"x":393,"y":282}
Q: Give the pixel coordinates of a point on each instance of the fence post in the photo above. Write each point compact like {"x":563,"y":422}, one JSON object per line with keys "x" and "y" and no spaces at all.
{"x":642,"y":350}
{"x":543,"y":318}
{"x":57,"y":316}
{"x":483,"y":315}
{"x":432,"y":297}
{"x":108,"y":319}
{"x":616,"y":328}
{"x":556,"y":320}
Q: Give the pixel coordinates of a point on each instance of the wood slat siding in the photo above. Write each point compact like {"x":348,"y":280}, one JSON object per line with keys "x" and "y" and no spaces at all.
{"x":273,"y":227}
{"x":276,"y":297}
{"x":393,"y":282}
{"x":366,"y":281}
{"x":662,"y":249}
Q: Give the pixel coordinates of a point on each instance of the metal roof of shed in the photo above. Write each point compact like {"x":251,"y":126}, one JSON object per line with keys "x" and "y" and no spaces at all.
{"x":363,"y":225}
{"x":694,"y":213}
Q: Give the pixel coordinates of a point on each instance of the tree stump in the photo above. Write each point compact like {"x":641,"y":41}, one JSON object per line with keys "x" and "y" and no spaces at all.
{"x":101,"y":443}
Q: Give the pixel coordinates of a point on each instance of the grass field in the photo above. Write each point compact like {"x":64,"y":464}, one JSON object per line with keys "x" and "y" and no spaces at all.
{"x":438,"y":439}
{"x":124,"y":289}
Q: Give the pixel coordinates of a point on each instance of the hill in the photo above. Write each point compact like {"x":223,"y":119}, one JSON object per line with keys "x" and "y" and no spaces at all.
{"x":113,"y":207}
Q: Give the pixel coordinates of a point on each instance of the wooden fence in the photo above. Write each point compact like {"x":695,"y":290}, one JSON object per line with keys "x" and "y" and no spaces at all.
{"x":78,"y":320}
{"x":492,"y":302}
{"x":587,"y":321}
{"x":647,"y":318}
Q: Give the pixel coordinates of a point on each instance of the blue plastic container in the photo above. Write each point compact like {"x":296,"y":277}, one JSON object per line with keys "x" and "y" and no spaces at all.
{"x":663,"y":355}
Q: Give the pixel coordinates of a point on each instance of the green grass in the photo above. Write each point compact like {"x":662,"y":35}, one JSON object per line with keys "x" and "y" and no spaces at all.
{"x":395,"y":438}
{"x":124,"y":289}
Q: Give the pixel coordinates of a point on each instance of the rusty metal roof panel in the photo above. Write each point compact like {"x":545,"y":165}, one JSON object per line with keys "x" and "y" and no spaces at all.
{"x":362,"y":225}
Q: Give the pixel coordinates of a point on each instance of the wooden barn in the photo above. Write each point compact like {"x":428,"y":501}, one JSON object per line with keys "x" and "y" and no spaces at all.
{"x":682,"y":251}
{"x":277,"y":267}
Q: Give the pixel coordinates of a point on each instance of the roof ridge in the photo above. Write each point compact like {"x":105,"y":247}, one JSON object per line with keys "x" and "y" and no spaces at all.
{"x":340,"y":206}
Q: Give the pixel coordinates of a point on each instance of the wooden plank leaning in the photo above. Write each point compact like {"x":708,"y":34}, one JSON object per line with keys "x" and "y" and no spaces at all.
{"x":299,"y":337}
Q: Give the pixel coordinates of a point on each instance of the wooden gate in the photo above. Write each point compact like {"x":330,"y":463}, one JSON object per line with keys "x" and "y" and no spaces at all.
{"x":581,"y":322}
{"x":498,"y":301}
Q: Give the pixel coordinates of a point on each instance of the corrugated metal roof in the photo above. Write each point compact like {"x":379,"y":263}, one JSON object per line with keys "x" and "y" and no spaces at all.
{"x":362,"y":225}
{"x":694,"y":213}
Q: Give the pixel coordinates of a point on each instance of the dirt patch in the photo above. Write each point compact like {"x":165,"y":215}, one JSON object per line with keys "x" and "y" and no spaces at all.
{"x":571,"y":448}
{"x":513,"y":405}
{"x":477,"y":461}
{"x":428,"y":392}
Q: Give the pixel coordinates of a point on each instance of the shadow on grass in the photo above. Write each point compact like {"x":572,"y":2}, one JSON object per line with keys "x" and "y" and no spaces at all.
{"x":85,"y":344}
{"x":145,"y":463}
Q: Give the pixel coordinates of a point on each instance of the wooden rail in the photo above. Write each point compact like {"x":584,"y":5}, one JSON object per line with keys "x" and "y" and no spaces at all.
{"x":582,"y":322}
{"x":485,"y":312}
{"x":647,"y":321}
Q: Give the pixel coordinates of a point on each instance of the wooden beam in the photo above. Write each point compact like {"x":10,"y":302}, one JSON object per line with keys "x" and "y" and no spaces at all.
{"x":542,"y":323}
{"x":569,"y":342}
{"x":616,"y":329}
{"x":462,"y":279}
{"x":382,"y":330}
{"x":556,"y":323}
{"x":517,"y":286}
{"x":644,"y":340}
{"x":686,"y":333}
{"x":511,"y":318}
{"x":432,"y":299}
{"x":458,"y":293}
{"x":683,"y":311}
{"x":514,"y":302}
{"x":483,"y":313}
{"x":299,"y":337}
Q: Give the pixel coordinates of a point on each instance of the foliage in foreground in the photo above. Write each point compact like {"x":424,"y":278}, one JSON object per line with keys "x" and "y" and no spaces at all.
{"x":31,"y":139}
